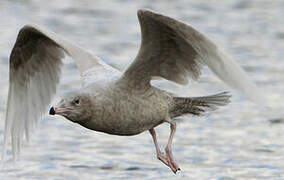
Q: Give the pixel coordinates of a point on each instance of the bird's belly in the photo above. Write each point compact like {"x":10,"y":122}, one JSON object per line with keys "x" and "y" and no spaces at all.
{"x":135,"y":126}
{"x":131,"y":124}
{"x":129,"y":116}
{"x":132,"y":128}
{"x":124,"y":127}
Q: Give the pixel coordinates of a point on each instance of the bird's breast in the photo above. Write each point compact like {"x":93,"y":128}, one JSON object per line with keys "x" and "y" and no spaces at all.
{"x":124,"y":114}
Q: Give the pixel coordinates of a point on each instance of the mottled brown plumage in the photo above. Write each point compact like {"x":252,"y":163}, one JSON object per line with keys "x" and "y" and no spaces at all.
{"x":110,"y":101}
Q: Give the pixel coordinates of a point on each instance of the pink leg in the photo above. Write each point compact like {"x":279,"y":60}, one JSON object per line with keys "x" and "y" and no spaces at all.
{"x":160,"y":155}
{"x":168,"y":149}
{"x":168,"y":158}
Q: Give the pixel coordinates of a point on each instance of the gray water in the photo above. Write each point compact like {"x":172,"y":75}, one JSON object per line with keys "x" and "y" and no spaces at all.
{"x":240,"y":141}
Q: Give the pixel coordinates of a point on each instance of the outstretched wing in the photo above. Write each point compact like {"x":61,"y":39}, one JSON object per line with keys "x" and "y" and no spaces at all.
{"x":176,"y":51}
{"x":35,"y":64}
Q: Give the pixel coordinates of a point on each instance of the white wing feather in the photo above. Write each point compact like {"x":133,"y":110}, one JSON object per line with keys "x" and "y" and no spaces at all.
{"x":176,"y":51}
{"x":35,"y":64}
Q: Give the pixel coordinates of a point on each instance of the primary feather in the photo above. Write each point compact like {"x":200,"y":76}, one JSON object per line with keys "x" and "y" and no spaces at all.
{"x":35,"y":64}
{"x":176,"y":51}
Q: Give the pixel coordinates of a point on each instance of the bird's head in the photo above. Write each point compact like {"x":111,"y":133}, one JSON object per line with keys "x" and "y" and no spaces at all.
{"x":76,"y":108}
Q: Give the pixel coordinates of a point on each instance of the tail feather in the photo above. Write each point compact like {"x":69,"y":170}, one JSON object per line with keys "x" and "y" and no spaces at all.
{"x":199,"y":105}
{"x":212,"y":101}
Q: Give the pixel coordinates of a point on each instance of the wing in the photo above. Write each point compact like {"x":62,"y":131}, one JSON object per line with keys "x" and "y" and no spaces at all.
{"x":175,"y":51}
{"x":35,"y":64}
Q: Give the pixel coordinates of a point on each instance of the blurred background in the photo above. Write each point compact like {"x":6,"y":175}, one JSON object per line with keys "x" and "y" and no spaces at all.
{"x":240,"y":141}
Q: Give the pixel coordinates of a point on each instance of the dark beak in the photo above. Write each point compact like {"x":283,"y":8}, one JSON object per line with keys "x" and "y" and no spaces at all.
{"x":51,"y":111}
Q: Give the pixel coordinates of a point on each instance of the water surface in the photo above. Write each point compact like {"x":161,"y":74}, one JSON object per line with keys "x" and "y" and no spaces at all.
{"x":239,"y":141}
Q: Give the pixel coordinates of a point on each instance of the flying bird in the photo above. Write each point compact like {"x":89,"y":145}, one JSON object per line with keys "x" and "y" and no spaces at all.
{"x":112,"y":101}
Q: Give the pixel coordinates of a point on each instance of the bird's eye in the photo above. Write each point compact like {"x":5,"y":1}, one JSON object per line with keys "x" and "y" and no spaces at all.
{"x":76,"y":101}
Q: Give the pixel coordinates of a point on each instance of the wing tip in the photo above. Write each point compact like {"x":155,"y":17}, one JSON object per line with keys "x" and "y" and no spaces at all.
{"x":143,"y":12}
{"x":28,"y":26}
{"x":31,"y":28}
{"x":36,"y":28}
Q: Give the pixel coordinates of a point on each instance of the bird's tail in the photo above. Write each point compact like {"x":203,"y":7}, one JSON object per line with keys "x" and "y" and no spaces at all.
{"x":198,"y":105}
